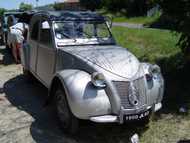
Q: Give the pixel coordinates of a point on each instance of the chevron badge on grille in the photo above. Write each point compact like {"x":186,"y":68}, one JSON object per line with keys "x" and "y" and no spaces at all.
{"x":133,"y":95}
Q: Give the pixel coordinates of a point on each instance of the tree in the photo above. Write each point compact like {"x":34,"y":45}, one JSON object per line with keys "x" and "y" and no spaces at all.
{"x":2,"y":10}
{"x":179,"y":11}
{"x":57,"y":6}
{"x":91,"y":4}
{"x":129,"y":7}
{"x":24,"y":6}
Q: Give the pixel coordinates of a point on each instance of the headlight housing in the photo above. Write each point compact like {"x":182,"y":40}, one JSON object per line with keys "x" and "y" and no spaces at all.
{"x":154,"y":69}
{"x":98,"y":80}
{"x":153,"y":72}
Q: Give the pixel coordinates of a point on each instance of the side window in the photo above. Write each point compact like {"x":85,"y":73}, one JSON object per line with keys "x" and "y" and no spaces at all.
{"x":45,"y":34}
{"x":35,"y":31}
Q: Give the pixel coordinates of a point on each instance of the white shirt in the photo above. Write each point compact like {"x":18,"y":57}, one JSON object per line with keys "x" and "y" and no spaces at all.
{"x":15,"y":34}
{"x":20,"y":26}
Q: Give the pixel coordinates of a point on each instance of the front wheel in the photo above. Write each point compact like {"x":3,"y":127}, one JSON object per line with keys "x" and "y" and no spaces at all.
{"x":68,"y":121}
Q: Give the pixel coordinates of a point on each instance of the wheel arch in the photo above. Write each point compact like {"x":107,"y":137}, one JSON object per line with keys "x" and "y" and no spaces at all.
{"x":83,"y":98}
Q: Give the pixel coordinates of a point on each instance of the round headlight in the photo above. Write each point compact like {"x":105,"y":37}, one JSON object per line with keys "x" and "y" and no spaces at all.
{"x":154,"y":69}
{"x":98,"y":80}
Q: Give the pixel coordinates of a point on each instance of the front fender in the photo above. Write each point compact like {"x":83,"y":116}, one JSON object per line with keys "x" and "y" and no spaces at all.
{"x":154,"y":94}
{"x":84,"y":99}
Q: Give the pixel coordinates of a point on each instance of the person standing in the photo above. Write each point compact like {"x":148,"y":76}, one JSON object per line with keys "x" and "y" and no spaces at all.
{"x":18,"y":33}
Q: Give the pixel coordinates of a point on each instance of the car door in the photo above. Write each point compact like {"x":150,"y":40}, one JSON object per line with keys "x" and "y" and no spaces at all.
{"x":33,"y":44}
{"x":46,"y":54}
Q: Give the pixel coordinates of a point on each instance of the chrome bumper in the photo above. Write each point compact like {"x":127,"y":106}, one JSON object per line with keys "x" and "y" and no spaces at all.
{"x":120,"y":118}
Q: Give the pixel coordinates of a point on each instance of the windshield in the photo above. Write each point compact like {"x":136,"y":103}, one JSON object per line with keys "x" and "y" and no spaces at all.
{"x":90,"y":30}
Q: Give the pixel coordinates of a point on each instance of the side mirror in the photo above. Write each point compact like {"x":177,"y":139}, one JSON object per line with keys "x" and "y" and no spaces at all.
{"x":45,"y":25}
{"x":109,"y":20}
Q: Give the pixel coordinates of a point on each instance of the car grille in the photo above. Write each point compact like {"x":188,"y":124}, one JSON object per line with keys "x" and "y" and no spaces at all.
{"x":122,"y":88}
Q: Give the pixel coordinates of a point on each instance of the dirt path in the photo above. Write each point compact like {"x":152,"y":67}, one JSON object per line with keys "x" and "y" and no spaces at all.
{"x":24,"y":119}
{"x":128,"y":25}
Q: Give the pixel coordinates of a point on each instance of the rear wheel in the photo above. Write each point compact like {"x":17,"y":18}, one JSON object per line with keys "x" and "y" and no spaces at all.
{"x":68,"y":121}
{"x":1,"y":39}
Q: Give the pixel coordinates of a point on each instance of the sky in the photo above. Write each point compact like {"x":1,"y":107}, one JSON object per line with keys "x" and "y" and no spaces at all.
{"x":14,"y":4}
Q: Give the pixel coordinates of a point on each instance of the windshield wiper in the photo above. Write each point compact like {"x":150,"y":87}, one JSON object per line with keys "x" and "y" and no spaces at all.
{"x":66,"y":35}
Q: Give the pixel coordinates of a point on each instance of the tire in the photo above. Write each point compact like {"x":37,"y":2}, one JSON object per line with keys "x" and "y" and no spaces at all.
{"x":68,"y":122}
{"x":1,"y":41}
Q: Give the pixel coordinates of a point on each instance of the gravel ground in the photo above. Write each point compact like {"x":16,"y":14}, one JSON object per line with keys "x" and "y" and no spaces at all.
{"x":24,"y":119}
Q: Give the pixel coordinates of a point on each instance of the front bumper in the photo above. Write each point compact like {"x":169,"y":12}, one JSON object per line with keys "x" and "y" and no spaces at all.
{"x":124,"y":112}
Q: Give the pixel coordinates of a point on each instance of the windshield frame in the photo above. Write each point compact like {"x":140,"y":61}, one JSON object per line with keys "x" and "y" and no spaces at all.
{"x":84,"y":41}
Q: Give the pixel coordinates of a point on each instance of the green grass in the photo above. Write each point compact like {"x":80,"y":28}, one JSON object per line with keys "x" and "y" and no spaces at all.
{"x":169,"y":126}
{"x":137,"y":20}
{"x":167,"y":129}
{"x":147,"y":44}
{"x":118,"y":17}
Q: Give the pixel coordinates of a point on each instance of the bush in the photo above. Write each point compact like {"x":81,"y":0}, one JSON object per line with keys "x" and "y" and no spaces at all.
{"x":2,"y":10}
{"x":130,"y":7}
{"x":179,"y":11}
{"x":91,"y":4}
{"x":24,"y":6}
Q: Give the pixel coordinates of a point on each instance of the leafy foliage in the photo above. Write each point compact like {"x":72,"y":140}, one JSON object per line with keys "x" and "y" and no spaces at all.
{"x":24,"y":6}
{"x":129,"y":7}
{"x":2,"y":10}
{"x":57,"y":6}
{"x":179,"y":11}
{"x":91,"y":4}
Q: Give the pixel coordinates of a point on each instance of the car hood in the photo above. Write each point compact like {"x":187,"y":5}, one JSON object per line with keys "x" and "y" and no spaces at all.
{"x":114,"y":59}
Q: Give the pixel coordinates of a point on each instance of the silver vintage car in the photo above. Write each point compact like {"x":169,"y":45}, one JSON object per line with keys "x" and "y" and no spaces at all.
{"x":87,"y":74}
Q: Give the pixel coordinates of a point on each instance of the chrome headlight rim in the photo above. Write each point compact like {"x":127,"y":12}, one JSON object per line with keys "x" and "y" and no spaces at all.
{"x":154,"y":69}
{"x":98,"y":80}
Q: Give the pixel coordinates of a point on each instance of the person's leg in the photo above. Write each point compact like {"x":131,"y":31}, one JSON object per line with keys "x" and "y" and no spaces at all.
{"x":16,"y":38}
{"x":12,"y":42}
{"x":18,"y":46}
{"x":14,"y":51}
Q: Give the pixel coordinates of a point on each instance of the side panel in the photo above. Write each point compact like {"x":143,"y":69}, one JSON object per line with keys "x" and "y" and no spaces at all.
{"x":33,"y":55}
{"x":155,"y":95}
{"x":46,"y":54}
{"x":84,"y":99}
{"x":46,"y":64}
{"x":29,"y":56}
{"x":33,"y":42}
{"x":155,"y":92}
{"x":24,"y":54}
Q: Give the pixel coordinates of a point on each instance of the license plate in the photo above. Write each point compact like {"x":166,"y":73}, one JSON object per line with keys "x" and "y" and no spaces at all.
{"x":137,"y":116}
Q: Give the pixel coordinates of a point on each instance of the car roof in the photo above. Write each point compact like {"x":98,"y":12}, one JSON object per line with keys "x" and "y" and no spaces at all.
{"x":13,"y":13}
{"x":23,"y":16}
{"x":73,"y":15}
